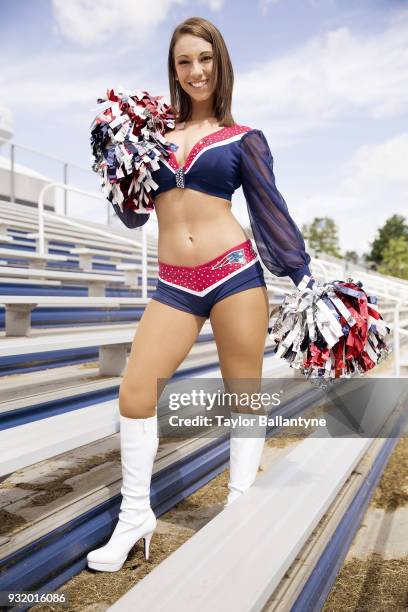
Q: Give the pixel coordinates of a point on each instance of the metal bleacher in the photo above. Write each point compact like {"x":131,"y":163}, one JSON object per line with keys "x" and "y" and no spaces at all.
{"x":48,"y":335}
{"x":68,"y":314}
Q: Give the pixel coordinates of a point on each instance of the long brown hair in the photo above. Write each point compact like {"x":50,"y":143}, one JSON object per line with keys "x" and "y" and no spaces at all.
{"x":222,"y":72}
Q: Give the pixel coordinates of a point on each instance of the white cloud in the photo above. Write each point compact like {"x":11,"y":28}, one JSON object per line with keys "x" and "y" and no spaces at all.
{"x":87,"y":73}
{"x":333,"y":75}
{"x":214,"y":5}
{"x":369,"y":188}
{"x":53,"y":92}
{"x":94,"y":22}
{"x":318,"y":3}
{"x":377,"y":168}
{"x":264,"y":5}
{"x":74,"y":89}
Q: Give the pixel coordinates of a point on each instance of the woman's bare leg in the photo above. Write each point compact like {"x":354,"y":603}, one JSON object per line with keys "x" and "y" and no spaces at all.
{"x":240,"y":326}
{"x":164,"y":337}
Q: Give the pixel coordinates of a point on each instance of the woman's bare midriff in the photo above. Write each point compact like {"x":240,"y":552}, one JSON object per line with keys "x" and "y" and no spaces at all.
{"x":194,"y":227}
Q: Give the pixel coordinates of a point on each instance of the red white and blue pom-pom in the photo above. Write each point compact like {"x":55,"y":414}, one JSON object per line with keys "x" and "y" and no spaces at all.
{"x":127,"y":142}
{"x":330,"y":331}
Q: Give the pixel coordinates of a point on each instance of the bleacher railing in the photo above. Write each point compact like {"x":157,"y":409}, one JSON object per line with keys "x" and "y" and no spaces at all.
{"x":41,"y":238}
{"x":65,"y":166}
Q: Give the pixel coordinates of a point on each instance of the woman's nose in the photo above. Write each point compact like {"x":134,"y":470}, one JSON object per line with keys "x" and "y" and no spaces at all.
{"x":196,"y":69}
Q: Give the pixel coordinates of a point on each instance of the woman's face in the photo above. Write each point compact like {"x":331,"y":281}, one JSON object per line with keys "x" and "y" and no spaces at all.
{"x":193,"y":60}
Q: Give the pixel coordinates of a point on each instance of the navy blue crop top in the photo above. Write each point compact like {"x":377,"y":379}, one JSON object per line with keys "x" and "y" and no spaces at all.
{"x":220,"y":163}
{"x":212,"y":166}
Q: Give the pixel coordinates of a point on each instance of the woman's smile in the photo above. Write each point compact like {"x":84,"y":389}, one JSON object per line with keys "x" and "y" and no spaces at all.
{"x":199,"y":84}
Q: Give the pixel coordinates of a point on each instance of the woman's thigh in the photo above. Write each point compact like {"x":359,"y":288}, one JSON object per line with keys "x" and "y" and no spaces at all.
{"x":163,"y":338}
{"x":240,"y":326}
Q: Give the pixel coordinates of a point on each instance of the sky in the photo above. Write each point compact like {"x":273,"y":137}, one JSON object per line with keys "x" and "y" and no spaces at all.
{"x":325,"y":80}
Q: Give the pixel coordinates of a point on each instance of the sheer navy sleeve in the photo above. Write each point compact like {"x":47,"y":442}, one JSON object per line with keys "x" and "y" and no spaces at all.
{"x":130,"y":218}
{"x":278,"y":240}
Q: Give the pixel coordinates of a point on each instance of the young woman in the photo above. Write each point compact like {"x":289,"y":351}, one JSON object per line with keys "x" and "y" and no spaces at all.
{"x":207,"y":268}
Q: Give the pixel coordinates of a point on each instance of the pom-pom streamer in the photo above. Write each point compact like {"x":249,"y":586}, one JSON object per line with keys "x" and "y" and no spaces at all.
{"x":127,"y":141}
{"x":330,"y":331}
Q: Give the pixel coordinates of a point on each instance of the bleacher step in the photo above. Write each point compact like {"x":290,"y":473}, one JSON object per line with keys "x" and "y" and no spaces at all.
{"x":40,"y":498}
{"x":21,"y":393}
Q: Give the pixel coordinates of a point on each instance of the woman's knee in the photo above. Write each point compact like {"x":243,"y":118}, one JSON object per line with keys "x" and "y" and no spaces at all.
{"x":136,"y":401}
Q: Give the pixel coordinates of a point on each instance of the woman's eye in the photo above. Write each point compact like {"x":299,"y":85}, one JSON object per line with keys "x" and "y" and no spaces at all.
{"x":204,"y":59}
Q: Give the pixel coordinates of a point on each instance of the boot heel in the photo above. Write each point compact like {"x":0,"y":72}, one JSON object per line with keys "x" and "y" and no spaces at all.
{"x":147,"y":539}
{"x":138,"y":447}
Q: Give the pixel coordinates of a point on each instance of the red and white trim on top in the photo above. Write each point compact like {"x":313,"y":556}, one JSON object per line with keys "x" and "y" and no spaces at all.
{"x":222,"y":136}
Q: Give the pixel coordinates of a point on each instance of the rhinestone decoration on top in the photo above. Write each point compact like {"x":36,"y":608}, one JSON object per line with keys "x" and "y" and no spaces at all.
{"x":180,"y":178}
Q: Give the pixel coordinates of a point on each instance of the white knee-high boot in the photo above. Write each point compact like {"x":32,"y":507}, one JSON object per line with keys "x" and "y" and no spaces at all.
{"x":245,"y":457}
{"x":138,"y":446}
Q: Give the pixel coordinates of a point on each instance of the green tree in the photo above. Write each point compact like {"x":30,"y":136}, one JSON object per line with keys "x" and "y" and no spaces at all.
{"x":395,"y":258}
{"x":322,"y":236}
{"x":394,"y":227}
{"x":351,"y":256}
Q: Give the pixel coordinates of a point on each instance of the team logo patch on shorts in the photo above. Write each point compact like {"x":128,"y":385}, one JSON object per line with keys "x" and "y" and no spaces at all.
{"x":237,"y":256}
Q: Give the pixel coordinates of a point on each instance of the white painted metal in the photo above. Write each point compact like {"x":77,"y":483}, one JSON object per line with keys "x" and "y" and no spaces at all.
{"x":42,"y":213}
{"x":20,"y":254}
{"x":59,"y":274}
{"x":62,"y":301}
{"x":111,"y":254}
{"x":43,"y":439}
{"x":33,"y":281}
{"x":144,"y":261}
{"x":19,"y":308}
{"x":96,"y":281}
{"x":398,"y":330}
{"x":68,"y":339}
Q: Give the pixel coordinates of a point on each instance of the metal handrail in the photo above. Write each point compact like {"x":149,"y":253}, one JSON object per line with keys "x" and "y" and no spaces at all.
{"x":53,"y":157}
{"x":397,"y":331}
{"x":42,"y":214}
{"x":66,"y":165}
{"x":387,"y":284}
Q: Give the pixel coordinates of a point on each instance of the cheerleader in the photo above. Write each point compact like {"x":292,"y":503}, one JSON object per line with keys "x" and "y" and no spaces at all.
{"x":207,"y":265}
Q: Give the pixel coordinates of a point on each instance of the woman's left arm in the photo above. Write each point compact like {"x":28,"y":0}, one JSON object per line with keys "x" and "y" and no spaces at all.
{"x":278,"y":239}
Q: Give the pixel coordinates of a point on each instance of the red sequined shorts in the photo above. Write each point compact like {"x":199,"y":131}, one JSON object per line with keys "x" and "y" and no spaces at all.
{"x":196,"y":289}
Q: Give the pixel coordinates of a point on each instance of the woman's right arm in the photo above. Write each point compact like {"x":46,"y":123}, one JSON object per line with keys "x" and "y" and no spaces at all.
{"x":130,"y":218}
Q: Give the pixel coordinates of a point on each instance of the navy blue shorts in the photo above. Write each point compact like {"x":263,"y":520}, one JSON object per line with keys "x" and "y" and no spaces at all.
{"x":240,"y":266}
